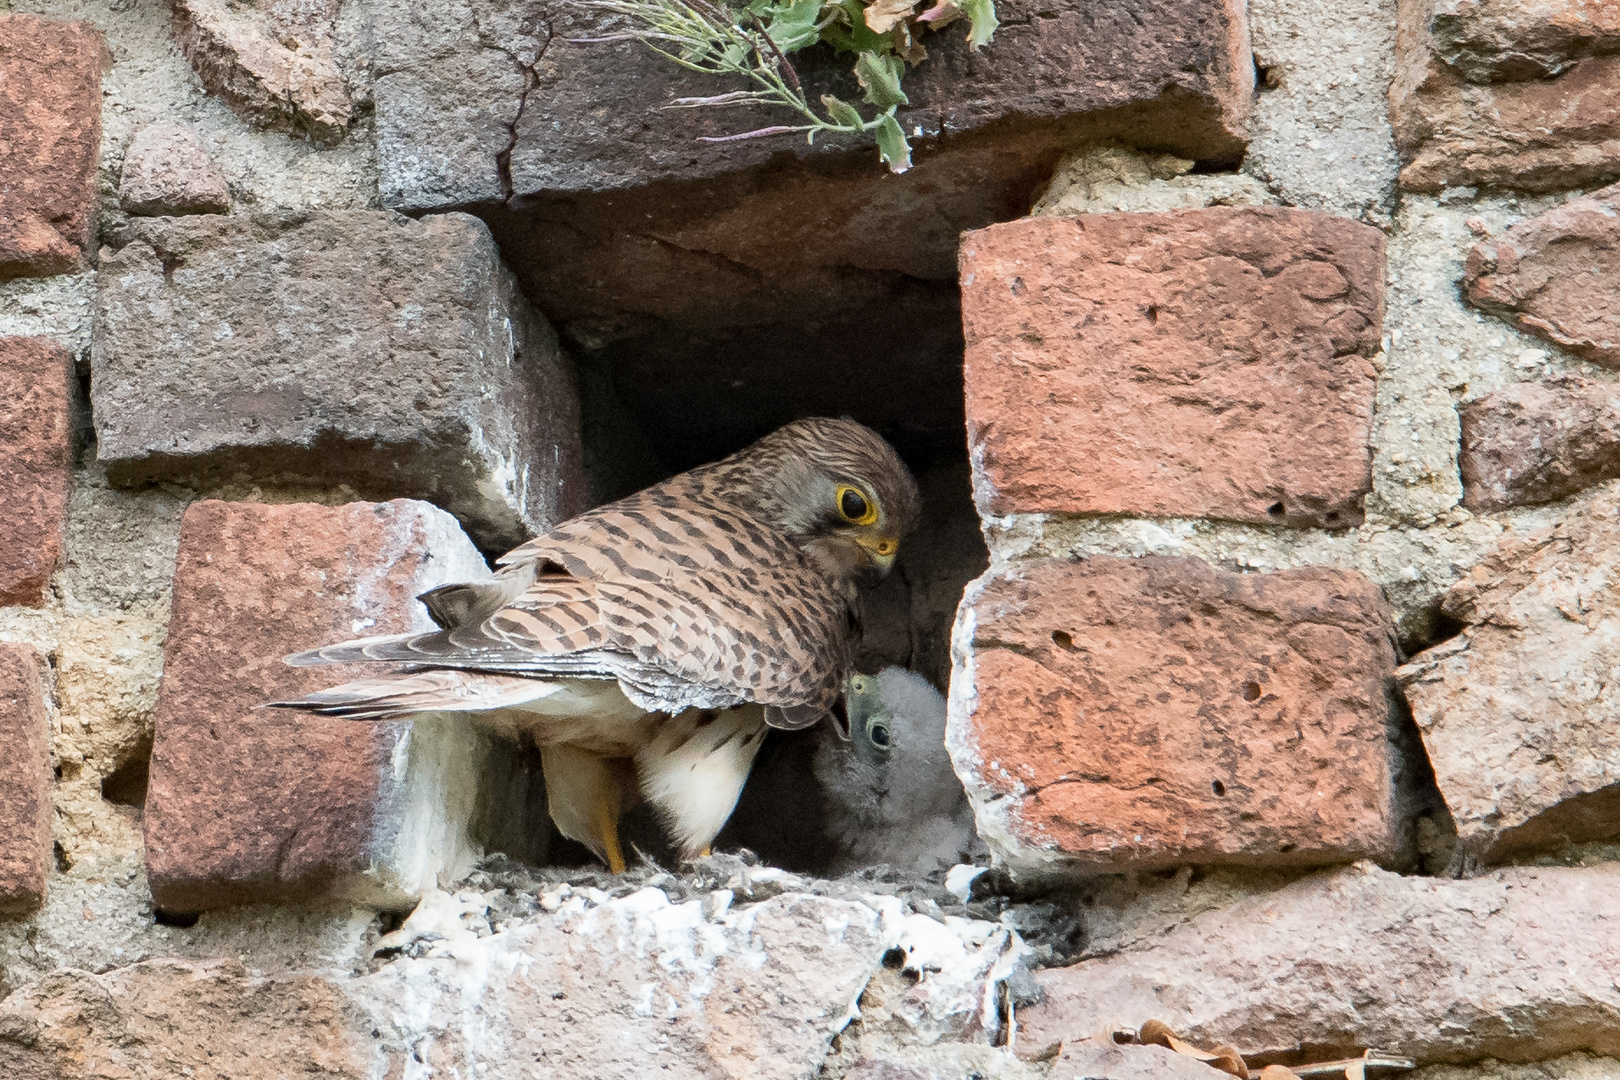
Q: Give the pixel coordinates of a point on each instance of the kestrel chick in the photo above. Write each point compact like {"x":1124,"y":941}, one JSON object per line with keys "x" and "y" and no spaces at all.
{"x":892,"y":795}
{"x":645,"y":645}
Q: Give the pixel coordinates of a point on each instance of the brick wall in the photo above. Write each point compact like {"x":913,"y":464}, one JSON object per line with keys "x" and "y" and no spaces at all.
{"x":1269,"y":346}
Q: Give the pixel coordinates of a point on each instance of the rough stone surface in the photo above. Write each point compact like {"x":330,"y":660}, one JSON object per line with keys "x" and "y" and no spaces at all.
{"x":36,"y":452}
{"x":25,"y":779}
{"x":603,"y":990}
{"x":50,"y":124}
{"x":1100,"y":179}
{"x":1536,"y":442}
{"x":1472,"y":104}
{"x":717,"y":282}
{"x":392,"y":355}
{"x":1517,"y":966}
{"x":211,"y":1019}
{"x":1488,"y":41}
{"x":247,"y":805}
{"x":1514,"y":710}
{"x":167,"y":171}
{"x":273,"y":60}
{"x":1113,"y":713}
{"x":1441,"y":350}
{"x":1557,"y":275}
{"x":1320,"y":132}
{"x":1221,"y":369}
{"x":455,"y":85}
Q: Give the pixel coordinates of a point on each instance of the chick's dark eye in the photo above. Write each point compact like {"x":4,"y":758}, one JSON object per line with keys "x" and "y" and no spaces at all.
{"x":878,"y":732}
{"x":853,"y":505}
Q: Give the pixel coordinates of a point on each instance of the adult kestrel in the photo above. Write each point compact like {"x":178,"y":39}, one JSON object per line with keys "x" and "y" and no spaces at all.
{"x":645,"y":645}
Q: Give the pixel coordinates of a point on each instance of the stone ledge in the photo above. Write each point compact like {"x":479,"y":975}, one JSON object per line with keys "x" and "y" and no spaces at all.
{"x":1516,"y":966}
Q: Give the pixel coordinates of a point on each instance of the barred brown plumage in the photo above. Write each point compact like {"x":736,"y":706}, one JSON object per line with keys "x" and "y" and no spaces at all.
{"x":731,"y":590}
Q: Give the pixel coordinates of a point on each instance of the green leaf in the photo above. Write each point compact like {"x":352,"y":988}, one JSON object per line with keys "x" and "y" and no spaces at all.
{"x":983,"y":15}
{"x":793,"y":25}
{"x":879,"y":76}
{"x":857,"y":36}
{"x":842,"y":112}
{"x":892,"y":145}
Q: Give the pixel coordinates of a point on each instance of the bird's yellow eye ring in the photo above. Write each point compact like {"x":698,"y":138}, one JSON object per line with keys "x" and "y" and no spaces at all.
{"x":855,"y":507}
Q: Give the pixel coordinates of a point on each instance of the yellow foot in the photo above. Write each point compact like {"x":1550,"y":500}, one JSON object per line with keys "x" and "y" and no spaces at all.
{"x":607,"y":820}
{"x":706,"y":852}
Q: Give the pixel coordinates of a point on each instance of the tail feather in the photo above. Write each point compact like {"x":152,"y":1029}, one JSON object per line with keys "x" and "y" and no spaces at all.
{"x":400,"y":696}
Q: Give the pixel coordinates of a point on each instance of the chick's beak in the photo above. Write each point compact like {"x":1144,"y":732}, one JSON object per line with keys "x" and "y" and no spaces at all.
{"x":881,"y":550}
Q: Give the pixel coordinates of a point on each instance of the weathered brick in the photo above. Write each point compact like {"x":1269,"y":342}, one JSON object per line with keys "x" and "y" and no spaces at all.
{"x":396,"y":356}
{"x":1113,"y":713}
{"x":737,"y":285}
{"x":1537,"y":442}
{"x":25,"y":779}
{"x":36,"y":453}
{"x":1515,"y":711}
{"x":1505,"y":93}
{"x":248,"y":805}
{"x":1197,"y":363}
{"x":167,"y":171}
{"x":1557,"y":275}
{"x":272,"y":60}
{"x":50,"y":135}
{"x":1517,"y":965}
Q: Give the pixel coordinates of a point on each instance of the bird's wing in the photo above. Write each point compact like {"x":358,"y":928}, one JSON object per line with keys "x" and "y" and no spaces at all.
{"x":685,"y":602}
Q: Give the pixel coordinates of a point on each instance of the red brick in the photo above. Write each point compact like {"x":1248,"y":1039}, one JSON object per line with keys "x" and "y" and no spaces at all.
{"x":1557,"y":275}
{"x":1537,"y":442}
{"x":1112,"y":713}
{"x":36,"y":454}
{"x":1500,"y":93}
{"x":50,"y":136}
{"x":25,"y":780}
{"x":248,"y":804}
{"x":1198,"y":363}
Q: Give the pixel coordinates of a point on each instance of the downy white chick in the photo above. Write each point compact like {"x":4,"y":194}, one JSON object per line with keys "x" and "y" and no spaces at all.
{"x":892,"y":796}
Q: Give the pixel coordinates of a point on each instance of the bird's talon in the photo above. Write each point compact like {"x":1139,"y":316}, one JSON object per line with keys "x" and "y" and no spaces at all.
{"x":607,"y":818}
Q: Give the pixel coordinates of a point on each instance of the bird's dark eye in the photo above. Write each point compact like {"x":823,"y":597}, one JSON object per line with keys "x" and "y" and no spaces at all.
{"x":856,"y":507}
{"x":877,"y":731}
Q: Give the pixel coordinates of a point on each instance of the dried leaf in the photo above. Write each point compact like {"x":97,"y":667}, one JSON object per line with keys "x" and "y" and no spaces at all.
{"x":941,"y":14}
{"x":907,"y":46}
{"x":883,"y":15}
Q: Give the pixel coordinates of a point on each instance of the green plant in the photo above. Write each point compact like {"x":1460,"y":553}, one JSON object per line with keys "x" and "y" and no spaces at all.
{"x":754,"y":40}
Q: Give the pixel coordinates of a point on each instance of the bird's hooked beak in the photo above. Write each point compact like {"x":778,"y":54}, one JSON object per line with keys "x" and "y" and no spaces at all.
{"x":881,"y":550}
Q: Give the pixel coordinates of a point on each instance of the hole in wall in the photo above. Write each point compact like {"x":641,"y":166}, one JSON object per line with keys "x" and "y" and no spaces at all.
{"x":1218,"y":788}
{"x":126,"y":785}
{"x":1063,"y":640}
{"x":1266,"y":76}
{"x":1277,"y":509}
{"x":1252,"y":691}
{"x":180,"y":920}
{"x":64,"y":861}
